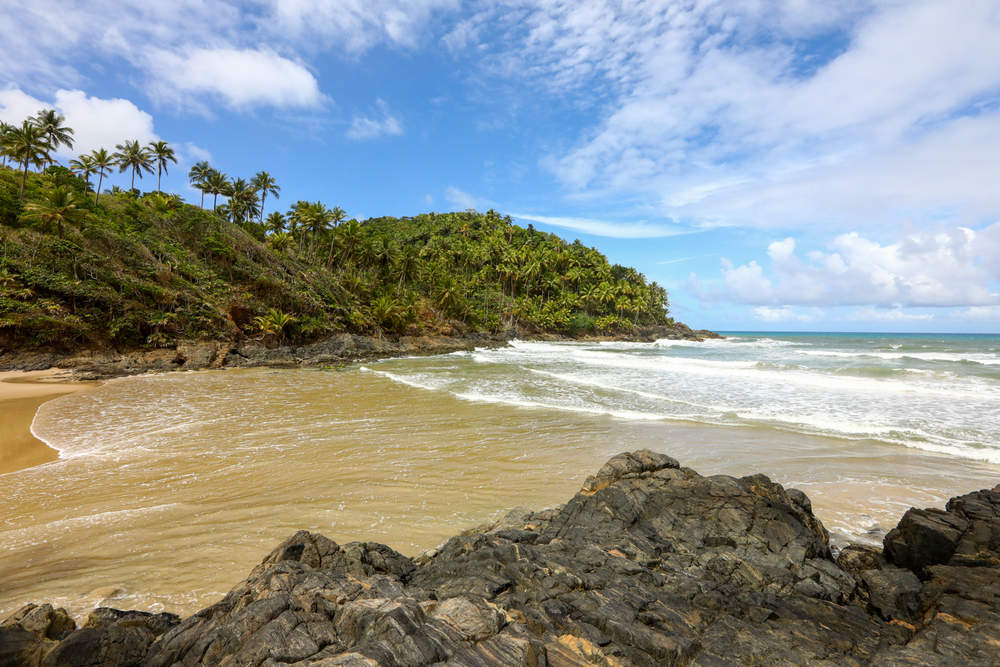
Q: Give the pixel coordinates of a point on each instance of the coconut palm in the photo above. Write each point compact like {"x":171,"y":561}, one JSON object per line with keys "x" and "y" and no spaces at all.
{"x":242,"y":200}
{"x":5,"y":129}
{"x":130,"y":155}
{"x":265,"y":184}
{"x":61,"y":206}
{"x":83,"y":166}
{"x":275,"y":223}
{"x":161,"y":154}
{"x":337,"y":216}
{"x":197,"y":175}
{"x":101,"y":161}
{"x":216,"y":184}
{"x":51,"y":123}
{"x":27,"y":145}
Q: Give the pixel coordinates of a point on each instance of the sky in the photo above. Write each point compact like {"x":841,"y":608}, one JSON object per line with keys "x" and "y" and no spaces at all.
{"x":775,"y":164}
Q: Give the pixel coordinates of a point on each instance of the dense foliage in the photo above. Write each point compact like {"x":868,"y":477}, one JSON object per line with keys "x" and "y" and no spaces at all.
{"x":132,"y":269}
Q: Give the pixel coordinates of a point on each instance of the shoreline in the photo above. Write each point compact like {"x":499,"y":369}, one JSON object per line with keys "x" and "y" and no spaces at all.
{"x":21,"y":394}
{"x":339,"y":349}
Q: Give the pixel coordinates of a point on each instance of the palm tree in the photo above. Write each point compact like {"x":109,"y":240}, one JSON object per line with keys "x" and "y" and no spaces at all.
{"x":131,"y":155}
{"x":317,"y":219}
{"x":27,"y":145}
{"x":61,"y":206}
{"x":275,"y":223}
{"x":216,"y":183}
{"x":5,"y":130}
{"x":265,"y":184}
{"x":101,"y":161}
{"x":161,"y":154}
{"x":242,"y":200}
{"x":197,"y":175}
{"x":337,"y":216}
{"x":83,"y":166}
{"x":51,"y":124}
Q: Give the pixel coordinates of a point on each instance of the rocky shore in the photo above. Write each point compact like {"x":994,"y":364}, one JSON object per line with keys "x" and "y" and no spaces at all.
{"x":95,"y":364}
{"x":649,"y":563}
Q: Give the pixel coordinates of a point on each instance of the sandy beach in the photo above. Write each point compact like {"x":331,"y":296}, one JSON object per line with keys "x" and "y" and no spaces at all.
{"x":20,"y":395}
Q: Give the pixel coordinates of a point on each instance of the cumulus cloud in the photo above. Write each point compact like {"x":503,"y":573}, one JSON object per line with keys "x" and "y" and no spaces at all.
{"x":382,"y":124}
{"x":956,"y":267}
{"x":240,"y":78}
{"x":96,"y":122}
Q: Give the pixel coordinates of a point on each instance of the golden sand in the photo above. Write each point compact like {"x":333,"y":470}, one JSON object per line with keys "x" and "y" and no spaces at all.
{"x":21,"y":393}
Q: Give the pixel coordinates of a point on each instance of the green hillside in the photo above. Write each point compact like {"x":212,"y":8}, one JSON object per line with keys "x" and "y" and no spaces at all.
{"x":133,"y":270}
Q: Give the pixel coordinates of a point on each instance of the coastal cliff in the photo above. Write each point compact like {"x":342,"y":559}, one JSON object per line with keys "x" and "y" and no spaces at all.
{"x":649,"y":563}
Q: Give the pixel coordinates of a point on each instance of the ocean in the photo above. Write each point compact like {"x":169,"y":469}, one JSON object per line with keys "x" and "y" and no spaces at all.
{"x":934,"y":392}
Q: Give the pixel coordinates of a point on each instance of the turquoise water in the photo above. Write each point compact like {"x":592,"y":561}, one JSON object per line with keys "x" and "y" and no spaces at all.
{"x":933,"y":392}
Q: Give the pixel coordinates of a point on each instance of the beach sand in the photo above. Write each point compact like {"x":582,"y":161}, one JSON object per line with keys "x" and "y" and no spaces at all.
{"x":20,"y":395}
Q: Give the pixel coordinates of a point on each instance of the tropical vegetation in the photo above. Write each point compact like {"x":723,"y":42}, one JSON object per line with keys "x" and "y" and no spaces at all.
{"x":128,"y":268}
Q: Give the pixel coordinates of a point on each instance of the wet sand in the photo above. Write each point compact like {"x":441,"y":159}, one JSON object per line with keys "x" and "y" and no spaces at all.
{"x":21,"y":394}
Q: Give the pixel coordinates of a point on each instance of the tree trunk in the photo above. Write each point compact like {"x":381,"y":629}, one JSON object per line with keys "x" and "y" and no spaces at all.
{"x":159,"y":171}
{"x":263,"y":196}
{"x":97,"y":194}
{"x":132,"y":185}
{"x":24,"y":179}
{"x":203,"y":199}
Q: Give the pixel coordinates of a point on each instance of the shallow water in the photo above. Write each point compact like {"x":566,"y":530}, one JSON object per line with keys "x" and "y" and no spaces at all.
{"x":172,"y":487}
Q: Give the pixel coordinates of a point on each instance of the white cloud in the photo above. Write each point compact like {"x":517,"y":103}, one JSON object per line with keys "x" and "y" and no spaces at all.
{"x":383,"y":124}
{"x":955,"y":267}
{"x":897,"y":314}
{"x":463,"y":199}
{"x":96,"y":122}
{"x":240,"y":78}
{"x":352,"y":25}
{"x":621,"y":230}
{"x":728,"y":114}
{"x":786,"y":314}
{"x":183,"y":49}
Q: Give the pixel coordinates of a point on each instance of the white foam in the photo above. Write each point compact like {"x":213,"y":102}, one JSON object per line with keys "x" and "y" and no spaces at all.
{"x":985,"y":359}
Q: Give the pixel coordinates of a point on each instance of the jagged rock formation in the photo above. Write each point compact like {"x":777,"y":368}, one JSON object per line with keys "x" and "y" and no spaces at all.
{"x":648,"y":564}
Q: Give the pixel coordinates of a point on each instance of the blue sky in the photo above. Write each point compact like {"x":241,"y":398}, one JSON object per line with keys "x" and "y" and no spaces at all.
{"x":789,"y":164}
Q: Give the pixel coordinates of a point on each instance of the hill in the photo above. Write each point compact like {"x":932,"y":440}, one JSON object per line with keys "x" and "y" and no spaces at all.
{"x":134,"y":270}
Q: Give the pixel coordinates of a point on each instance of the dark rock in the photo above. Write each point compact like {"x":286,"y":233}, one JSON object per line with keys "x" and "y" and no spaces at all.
{"x":856,"y":558}
{"x":965,"y":533}
{"x":892,"y":592}
{"x":649,"y":564}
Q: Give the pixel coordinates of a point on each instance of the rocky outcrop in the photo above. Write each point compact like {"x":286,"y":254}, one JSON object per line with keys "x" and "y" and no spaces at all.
{"x":200,"y":355}
{"x":649,"y":564}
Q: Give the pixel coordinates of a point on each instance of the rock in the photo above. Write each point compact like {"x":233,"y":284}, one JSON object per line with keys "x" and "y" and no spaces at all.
{"x":40,"y":636}
{"x":956,"y":553}
{"x":892,"y":592}
{"x":856,"y":558}
{"x":650,"y":563}
{"x":965,"y":533}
